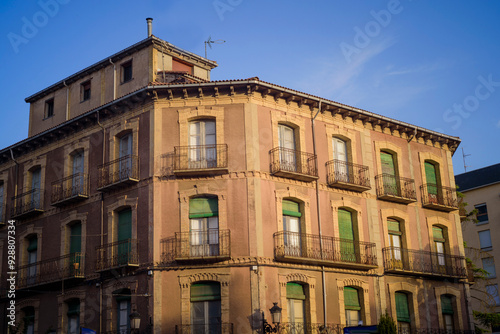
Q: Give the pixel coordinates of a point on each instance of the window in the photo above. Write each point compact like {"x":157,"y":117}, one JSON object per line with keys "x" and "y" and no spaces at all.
{"x":75,"y":248}
{"x":296,"y":306}
{"x":286,"y":137}
{"x":125,"y":156}
{"x":489,"y":266}
{"x":291,"y":227}
{"x":123,"y":299}
{"x":73,"y":316}
{"x":352,"y":306}
{"x":124,"y":236}
{"x":394,"y":229}
{"x":202,"y":144}
{"x":341,"y":158}
{"x":346,"y":235}
{"x":29,"y":318}
{"x":492,"y":290}
{"x":32,"y":259}
{"x":85,"y":91}
{"x":439,"y":244}
{"x":206,"y":308}
{"x":447,"y":311}
{"x":403,"y":312}
{"x":431,"y":177}
{"x":49,"y":108}
{"x":35,"y":198}
{"x":390,"y":180}
{"x":77,"y":180}
{"x":482,"y":213}
{"x":485,"y":239}
{"x":127,"y":71}
{"x":204,"y":226}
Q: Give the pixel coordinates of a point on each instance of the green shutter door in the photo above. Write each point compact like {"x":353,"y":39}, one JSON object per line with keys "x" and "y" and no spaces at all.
{"x":75,"y":248}
{"x":402,"y":310}
{"x":346,"y":234}
{"x":431,"y":179}
{"x":295,"y":291}
{"x":446,"y":305}
{"x":351,"y":299}
{"x":389,"y":179}
{"x":203,"y":207}
{"x":124,"y":235}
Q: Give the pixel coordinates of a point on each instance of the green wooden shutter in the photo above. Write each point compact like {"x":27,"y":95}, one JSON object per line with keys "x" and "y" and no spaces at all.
{"x":431,"y":178}
{"x":387,"y":163}
{"x":345,"y":225}
{"x":205,"y":291}
{"x":75,"y":239}
{"x":124,"y":225}
{"x":73,"y":308}
{"x":351,"y":299}
{"x":393,"y":226}
{"x":291,"y":208}
{"x":203,"y":207}
{"x":402,"y":310}
{"x":33,"y":244}
{"x":446,"y":305}
{"x":437,"y":233}
{"x":295,"y":291}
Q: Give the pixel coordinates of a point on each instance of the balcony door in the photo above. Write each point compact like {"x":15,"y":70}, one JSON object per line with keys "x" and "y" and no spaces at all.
{"x":124,"y":237}
{"x":389,"y":177}
{"x":291,"y":228}
{"x":352,"y":306}
{"x":346,"y":234}
{"x":288,"y":157}
{"x":431,"y":179}
{"x":447,"y":311}
{"x":394,"y":229}
{"x":439,"y":243}
{"x":125,"y":155}
{"x":75,"y":248}
{"x":122,"y":319}
{"x":204,"y":227}
{"x":35,"y":188}
{"x":206,"y":308}
{"x":32,"y":260}
{"x":403,"y":313}
{"x":341,"y":160}
{"x":296,"y":307}
{"x":202,"y":144}
{"x":77,"y":178}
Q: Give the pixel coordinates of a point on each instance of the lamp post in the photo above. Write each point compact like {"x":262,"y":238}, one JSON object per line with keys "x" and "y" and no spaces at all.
{"x":276,"y":315}
{"x":135,"y":321}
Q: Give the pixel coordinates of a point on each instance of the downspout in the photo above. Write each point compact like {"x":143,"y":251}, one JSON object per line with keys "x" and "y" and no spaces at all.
{"x":323,"y":279}
{"x":102,"y":215}
{"x":67,"y":99}
{"x":114,"y":89}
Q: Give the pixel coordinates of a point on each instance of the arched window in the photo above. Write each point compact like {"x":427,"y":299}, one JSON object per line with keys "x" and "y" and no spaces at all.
{"x":202,"y":144}
{"x":403,"y":312}
{"x":291,"y":227}
{"x":77,"y":170}
{"x":390,"y":180}
{"x":346,"y":235}
{"x":432,"y":179}
{"x":296,"y":298}
{"x":204,"y":226}
{"x":288,"y":158}
{"x":352,"y":306}
{"x":205,"y":308}
{"x":447,"y":311}
{"x":394,"y":228}
{"x":439,"y":244}
{"x":35,"y":198}
{"x":73,"y":315}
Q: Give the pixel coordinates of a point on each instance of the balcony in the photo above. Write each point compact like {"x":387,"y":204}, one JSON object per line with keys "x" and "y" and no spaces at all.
{"x":418,"y":262}
{"x":327,"y":251}
{"x":200,"y":160}
{"x":27,"y":204}
{"x":118,"y":173}
{"x":435,"y":331}
{"x":395,"y":189}
{"x":197,"y":246}
{"x":438,"y":197}
{"x":67,"y":267}
{"x":301,"y":328}
{"x":346,"y":175}
{"x":224,"y":328}
{"x":118,"y":254}
{"x":70,"y":189}
{"x":293,"y":164}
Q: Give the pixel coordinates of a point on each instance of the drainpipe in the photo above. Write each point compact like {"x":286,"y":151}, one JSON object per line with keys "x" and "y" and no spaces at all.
{"x":67,"y":99}
{"x":114,"y":86}
{"x":102,"y":215}
{"x":319,"y":217}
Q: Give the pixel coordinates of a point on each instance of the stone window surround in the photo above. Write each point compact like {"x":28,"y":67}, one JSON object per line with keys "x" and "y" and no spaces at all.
{"x":457,"y":303}
{"x":35,"y":303}
{"x":71,"y":149}
{"x":446,"y":225}
{"x":363,"y":290}
{"x":125,"y":127}
{"x":199,"y":113}
{"x":73,"y":216}
{"x":385,"y":146}
{"x":437,"y":161}
{"x":23,"y":244}
{"x":412,"y":291}
{"x":41,"y":162}
{"x":109,"y":301}
{"x":357,"y":215}
{"x":122,"y":202}
{"x":62,"y":323}
{"x":296,"y":122}
{"x":404,"y":222}
{"x":310,"y":284}
{"x":303,"y":200}
{"x":347,"y":135}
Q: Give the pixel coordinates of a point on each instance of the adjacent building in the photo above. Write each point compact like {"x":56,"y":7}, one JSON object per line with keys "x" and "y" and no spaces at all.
{"x":145,"y":187}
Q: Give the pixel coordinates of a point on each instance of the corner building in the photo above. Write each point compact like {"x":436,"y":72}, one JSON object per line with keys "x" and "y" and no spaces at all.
{"x":145,"y":186}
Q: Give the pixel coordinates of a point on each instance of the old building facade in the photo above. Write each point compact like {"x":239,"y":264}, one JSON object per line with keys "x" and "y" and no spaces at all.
{"x":144,"y":186}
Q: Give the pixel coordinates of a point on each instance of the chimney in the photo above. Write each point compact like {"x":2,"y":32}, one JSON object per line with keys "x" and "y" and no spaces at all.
{"x":150,"y":26}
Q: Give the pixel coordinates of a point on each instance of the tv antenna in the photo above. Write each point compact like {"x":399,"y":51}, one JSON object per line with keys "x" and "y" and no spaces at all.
{"x":209,"y":42}
{"x":463,"y":156}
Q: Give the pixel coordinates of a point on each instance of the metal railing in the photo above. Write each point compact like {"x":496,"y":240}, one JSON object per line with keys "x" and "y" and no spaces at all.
{"x":293,"y":161}
{"x":347,"y":173}
{"x":395,"y":186}
{"x":305,"y":328}
{"x":423,"y":262}
{"x":308,"y":247}
{"x":27,"y":202}
{"x":72,"y":186}
{"x":51,"y":270}
{"x":213,"y":244}
{"x":119,"y":170}
{"x":435,"y":331}
{"x":224,"y":328}
{"x":117,"y":254}
{"x":433,"y":194}
{"x":200,"y":157}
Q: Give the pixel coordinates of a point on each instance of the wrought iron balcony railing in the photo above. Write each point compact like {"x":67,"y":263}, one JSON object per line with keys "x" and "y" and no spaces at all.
{"x":27,"y":204}
{"x":51,"y":270}
{"x":328,"y":251}
{"x":305,"y":328}
{"x":421,"y":262}
{"x":119,"y":172}
{"x":346,"y":175}
{"x":224,"y":328}
{"x":435,"y":331}
{"x":200,"y":159}
{"x":211,"y":245}
{"x":293,"y":164}
{"x":395,"y":188}
{"x":439,"y":197}
{"x":71,"y":188}
{"x":117,"y":254}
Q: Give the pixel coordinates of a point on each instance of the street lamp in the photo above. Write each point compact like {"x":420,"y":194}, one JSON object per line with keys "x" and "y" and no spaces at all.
{"x":135,"y":321}
{"x":276,"y":315}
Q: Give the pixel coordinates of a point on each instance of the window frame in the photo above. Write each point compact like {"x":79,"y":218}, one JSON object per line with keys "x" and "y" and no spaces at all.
{"x":480,"y":215}
{"x":486,"y":247}
{"x":85,"y":90}
{"x":127,"y":72}
{"x":49,"y":108}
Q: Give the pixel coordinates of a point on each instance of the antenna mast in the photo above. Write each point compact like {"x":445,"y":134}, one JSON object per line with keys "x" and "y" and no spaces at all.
{"x":209,"y":42}
{"x":463,"y":156}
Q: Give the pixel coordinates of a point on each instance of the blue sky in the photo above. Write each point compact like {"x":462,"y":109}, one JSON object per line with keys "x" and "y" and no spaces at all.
{"x":431,"y":64}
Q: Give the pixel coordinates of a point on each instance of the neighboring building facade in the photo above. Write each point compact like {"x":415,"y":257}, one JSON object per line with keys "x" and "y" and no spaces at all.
{"x":145,"y":186}
{"x":481,"y":188}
